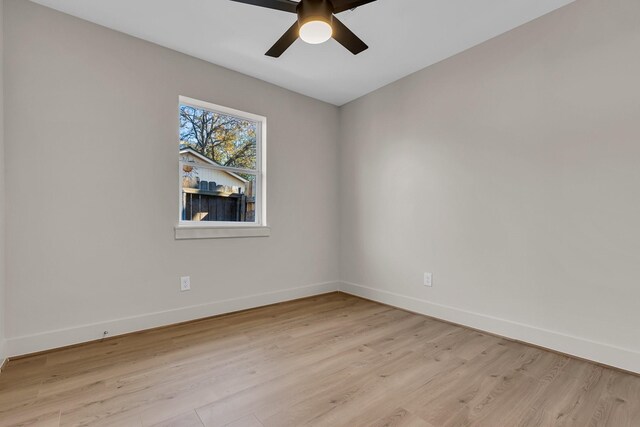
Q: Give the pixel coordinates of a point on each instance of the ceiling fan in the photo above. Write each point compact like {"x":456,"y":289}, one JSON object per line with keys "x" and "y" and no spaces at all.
{"x":316,"y":23}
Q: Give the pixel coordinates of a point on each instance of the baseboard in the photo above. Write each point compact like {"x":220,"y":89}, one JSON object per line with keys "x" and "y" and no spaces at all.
{"x":3,"y":357}
{"x":18,"y":346}
{"x":606,"y":354}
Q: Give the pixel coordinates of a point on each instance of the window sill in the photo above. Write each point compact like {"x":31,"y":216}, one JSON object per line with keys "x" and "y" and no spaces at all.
{"x":184,"y":232}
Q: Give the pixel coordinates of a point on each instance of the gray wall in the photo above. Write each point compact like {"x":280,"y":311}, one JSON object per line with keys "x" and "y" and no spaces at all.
{"x":2,"y":198}
{"x":92,"y":178}
{"x":510,"y":171}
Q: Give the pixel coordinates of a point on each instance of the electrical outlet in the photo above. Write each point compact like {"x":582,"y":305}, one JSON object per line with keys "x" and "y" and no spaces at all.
{"x":428,"y":279}
{"x":185,"y":283}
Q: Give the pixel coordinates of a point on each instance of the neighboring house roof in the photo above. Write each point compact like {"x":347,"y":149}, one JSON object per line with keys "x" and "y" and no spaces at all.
{"x":185,"y":149}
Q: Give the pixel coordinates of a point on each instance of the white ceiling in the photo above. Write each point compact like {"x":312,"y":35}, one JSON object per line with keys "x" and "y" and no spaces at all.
{"x":403,"y":36}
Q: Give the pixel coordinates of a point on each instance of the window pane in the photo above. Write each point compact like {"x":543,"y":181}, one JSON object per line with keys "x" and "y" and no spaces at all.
{"x":225,"y":140}
{"x":210,"y":194}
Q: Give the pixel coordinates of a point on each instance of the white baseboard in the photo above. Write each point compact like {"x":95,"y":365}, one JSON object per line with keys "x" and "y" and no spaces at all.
{"x":3,"y":354}
{"x":17,"y":346}
{"x":580,"y":347}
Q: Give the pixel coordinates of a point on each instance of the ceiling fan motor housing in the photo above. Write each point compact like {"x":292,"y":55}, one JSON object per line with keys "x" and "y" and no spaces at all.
{"x":314,"y":10}
{"x":316,"y":23}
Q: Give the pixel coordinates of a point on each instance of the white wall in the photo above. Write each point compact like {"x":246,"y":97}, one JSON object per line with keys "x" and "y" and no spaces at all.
{"x":2,"y":197}
{"x":510,"y":171}
{"x":91,"y":230}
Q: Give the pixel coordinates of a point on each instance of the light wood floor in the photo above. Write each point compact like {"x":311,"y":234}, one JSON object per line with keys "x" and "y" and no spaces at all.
{"x":331,"y":360}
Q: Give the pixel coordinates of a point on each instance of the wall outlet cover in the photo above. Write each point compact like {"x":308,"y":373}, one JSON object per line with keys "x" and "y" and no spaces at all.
{"x":185,"y":283}
{"x":428,"y":279}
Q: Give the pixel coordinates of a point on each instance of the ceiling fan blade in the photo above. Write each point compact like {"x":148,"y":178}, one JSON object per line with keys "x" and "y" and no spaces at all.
{"x":284,"y":42}
{"x":284,"y":5}
{"x":346,"y":38}
{"x":342,"y":5}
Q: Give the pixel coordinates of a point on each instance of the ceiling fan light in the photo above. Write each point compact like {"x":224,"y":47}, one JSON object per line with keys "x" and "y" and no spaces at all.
{"x":316,"y":32}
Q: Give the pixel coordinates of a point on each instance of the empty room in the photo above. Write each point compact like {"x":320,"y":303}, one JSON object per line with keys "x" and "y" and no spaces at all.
{"x":340,"y":213}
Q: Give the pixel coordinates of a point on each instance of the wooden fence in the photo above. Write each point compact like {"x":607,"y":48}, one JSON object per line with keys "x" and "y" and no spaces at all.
{"x":218,"y":204}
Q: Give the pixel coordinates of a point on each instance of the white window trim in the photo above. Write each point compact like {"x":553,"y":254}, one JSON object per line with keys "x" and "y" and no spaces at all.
{"x":224,"y":229}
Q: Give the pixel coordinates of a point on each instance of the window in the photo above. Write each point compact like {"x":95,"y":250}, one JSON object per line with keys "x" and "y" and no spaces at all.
{"x":221,"y":169}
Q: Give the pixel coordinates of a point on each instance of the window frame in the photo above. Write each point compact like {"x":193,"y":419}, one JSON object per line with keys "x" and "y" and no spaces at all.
{"x":227,"y":227}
